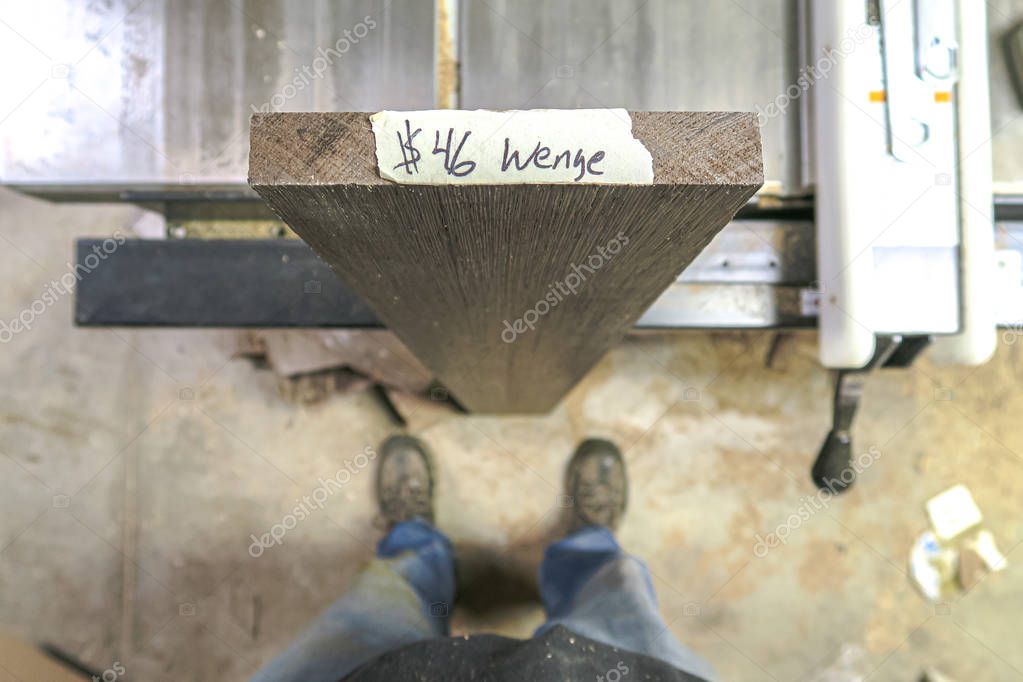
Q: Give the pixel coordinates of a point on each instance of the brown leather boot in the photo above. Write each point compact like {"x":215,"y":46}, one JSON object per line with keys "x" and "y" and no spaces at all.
{"x":404,"y":481}
{"x":597,"y":484}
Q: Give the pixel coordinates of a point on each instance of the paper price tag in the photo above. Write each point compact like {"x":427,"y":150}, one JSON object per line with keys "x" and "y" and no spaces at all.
{"x":569,"y":146}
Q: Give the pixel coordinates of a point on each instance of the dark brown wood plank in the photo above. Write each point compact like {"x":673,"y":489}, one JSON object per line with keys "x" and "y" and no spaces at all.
{"x":449,"y":268}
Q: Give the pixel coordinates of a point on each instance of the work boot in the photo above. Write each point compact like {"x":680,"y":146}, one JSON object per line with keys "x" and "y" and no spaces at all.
{"x":404,"y":481}
{"x":596,"y":483}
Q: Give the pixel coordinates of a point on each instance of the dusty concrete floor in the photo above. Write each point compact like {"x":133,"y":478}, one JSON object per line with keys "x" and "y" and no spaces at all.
{"x":136,"y":464}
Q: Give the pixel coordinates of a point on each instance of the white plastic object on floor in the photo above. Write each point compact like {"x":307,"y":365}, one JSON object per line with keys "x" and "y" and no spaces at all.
{"x":953,"y":512}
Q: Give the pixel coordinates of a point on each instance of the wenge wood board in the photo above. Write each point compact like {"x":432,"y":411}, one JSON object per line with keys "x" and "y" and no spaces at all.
{"x":451,"y":268}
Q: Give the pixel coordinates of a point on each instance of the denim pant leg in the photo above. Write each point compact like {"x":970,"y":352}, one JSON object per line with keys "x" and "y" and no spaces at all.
{"x":590,"y":586}
{"x":403,"y":596}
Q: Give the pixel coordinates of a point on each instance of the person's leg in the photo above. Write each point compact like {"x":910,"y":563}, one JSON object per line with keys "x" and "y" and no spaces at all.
{"x":590,"y":586}
{"x":593,"y":588}
{"x":405,"y":595}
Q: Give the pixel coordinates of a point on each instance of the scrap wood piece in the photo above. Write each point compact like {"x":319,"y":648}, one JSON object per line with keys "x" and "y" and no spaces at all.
{"x":421,"y":412}
{"x":376,"y":354}
{"x":309,"y":389}
{"x":509,"y":293}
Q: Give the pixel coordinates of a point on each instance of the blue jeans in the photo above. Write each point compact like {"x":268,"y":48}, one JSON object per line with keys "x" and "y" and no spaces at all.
{"x":587,"y":584}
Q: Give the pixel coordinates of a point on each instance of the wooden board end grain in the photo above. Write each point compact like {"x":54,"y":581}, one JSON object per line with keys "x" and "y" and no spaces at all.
{"x":509,"y":293}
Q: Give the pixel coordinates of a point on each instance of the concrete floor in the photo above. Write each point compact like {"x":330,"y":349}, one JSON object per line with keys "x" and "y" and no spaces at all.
{"x":136,"y":465}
